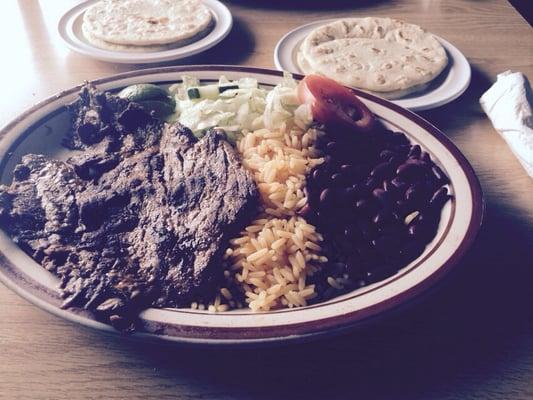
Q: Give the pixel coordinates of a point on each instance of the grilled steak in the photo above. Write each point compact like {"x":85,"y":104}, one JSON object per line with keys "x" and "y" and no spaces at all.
{"x":140,"y":217}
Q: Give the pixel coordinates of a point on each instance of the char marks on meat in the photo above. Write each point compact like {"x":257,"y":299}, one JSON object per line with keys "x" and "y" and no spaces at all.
{"x":140,"y":217}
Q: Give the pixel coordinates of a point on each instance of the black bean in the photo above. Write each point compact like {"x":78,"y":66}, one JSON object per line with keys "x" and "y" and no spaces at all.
{"x":305,"y":211}
{"x":388,"y":186}
{"x":416,"y":194}
{"x":399,"y":138}
{"x":366,"y":251}
{"x":392,"y":190}
{"x":355,"y":268}
{"x":396,"y":161}
{"x":368,"y":229}
{"x":392,"y":225}
{"x":336,"y":179}
{"x":381,"y":170}
{"x":415,"y":161}
{"x":349,"y":194}
{"x":403,"y":149}
{"x":356,"y":173}
{"x":404,"y":208}
{"x":343,"y":243}
{"x":352,"y":232}
{"x":399,"y":183}
{"x":427,"y":218}
{"x":423,"y":227}
{"x":439,"y":198}
{"x":382,"y":217}
{"x":441,"y":177}
{"x":331,"y":147}
{"x":372,"y":183}
{"x":313,"y":197}
{"x":382,"y":196}
{"x":410,"y":170}
{"x":362,"y":205}
{"x":382,"y":272}
{"x":411,"y":192}
{"x":415,"y":151}
{"x":361,"y":190}
{"x":387,"y":244}
{"x":412,"y":250}
{"x":347,"y":169}
{"x":386,"y":155}
{"x":414,"y":230}
{"x":325,"y":196}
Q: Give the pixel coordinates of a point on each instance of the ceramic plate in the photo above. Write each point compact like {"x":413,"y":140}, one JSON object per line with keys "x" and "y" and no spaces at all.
{"x":448,"y":86}
{"x":70,"y":30}
{"x":41,"y":128}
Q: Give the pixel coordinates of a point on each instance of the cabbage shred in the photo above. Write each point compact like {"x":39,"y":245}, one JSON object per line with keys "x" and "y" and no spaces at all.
{"x":247,"y":108}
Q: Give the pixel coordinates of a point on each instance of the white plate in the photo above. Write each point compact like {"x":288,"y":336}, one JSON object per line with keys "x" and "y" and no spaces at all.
{"x":448,"y":86}
{"x":70,"y":24}
{"x":42,"y":128}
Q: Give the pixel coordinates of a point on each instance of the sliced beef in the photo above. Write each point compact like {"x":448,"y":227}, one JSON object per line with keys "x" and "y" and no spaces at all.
{"x":141,"y":217}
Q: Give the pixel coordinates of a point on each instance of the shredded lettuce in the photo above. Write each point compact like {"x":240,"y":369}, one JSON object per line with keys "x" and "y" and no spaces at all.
{"x":281,"y":103}
{"x":249,"y":107}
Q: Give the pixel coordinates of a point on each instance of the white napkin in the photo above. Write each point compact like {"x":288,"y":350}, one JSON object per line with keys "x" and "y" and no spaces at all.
{"x":508,"y":105}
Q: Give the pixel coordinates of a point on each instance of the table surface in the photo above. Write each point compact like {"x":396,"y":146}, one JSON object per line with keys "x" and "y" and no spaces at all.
{"x":472,"y":338}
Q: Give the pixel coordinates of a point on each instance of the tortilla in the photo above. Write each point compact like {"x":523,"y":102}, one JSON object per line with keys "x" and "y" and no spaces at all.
{"x":395,"y":94}
{"x":381,"y":55}
{"x":102,"y":44}
{"x":146,"y":22}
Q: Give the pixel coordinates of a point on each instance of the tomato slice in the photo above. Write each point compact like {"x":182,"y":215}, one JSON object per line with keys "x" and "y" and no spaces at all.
{"x":334,"y":105}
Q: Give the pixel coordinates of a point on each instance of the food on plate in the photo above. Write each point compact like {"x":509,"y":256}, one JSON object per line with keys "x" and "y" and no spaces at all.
{"x":246,"y":196}
{"x":145,"y":24}
{"x":334,"y":105}
{"x":274,"y":259}
{"x":209,"y":91}
{"x":274,"y":263}
{"x":388,"y":57}
{"x":141,"y":217}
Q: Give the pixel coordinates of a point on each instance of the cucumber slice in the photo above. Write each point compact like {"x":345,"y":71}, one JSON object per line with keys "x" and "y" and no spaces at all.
{"x":227,"y":87}
{"x":193,"y":93}
{"x":208,"y":91}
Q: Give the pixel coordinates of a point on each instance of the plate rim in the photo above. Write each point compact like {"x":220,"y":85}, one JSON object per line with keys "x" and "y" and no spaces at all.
{"x":328,"y":325}
{"x":222,"y":14}
{"x":456,"y":55}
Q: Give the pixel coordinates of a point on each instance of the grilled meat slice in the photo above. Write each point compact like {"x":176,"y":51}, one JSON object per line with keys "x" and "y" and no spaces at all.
{"x":141,"y":217}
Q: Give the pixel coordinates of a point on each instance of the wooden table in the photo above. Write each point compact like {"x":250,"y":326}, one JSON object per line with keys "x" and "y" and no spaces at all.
{"x":470,"y":339}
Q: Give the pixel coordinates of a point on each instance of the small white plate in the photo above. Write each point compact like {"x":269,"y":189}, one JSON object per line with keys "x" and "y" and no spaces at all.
{"x":70,"y":30}
{"x":448,"y":86}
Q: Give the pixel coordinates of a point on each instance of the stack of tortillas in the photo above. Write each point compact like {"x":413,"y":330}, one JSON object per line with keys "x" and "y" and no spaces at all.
{"x":382,"y":55}
{"x":145,"y":25}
